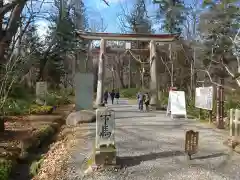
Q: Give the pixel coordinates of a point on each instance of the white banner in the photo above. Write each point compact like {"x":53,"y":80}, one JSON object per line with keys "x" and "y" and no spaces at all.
{"x":177,"y":103}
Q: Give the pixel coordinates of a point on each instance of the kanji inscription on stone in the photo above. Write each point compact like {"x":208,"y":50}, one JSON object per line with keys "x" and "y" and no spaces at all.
{"x":104,"y":133}
{"x":105,"y":127}
{"x":191,"y":142}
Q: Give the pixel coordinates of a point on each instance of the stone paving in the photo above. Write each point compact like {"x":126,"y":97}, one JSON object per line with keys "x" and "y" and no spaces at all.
{"x":151,"y":146}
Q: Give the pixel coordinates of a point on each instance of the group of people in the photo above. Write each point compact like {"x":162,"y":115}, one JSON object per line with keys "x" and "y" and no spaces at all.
{"x":112,"y":94}
{"x":143,"y":98}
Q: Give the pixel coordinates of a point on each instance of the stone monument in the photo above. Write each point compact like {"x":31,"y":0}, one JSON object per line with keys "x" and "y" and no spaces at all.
{"x":105,"y":150}
{"x":84,"y":91}
{"x":41,"y":92}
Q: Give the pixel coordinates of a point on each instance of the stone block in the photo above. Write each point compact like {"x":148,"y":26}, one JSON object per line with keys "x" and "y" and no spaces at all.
{"x":78,"y":117}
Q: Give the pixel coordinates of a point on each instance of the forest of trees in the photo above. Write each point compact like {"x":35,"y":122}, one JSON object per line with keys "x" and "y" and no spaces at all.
{"x":207,"y":52}
{"x":209,"y":45}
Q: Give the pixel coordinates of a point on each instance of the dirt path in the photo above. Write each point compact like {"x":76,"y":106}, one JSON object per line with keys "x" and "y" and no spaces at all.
{"x":150,"y":146}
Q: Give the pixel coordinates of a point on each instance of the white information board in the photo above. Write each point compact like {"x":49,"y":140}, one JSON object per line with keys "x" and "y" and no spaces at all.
{"x":41,"y":92}
{"x":204,"y":98}
{"x":177,"y":103}
{"x":83,"y":91}
{"x":105,"y":127}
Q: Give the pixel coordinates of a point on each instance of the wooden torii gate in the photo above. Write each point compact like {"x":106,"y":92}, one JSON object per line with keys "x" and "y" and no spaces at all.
{"x":151,"y":38}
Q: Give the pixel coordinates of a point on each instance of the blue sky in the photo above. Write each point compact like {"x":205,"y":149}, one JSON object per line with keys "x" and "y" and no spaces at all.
{"x":97,"y":9}
{"x":110,"y":14}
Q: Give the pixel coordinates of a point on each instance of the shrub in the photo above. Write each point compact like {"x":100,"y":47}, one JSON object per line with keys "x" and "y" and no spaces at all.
{"x":35,"y":167}
{"x":16,"y":106}
{"x":58,"y":98}
{"x":36,"y":109}
{"x":18,"y":91}
{"x":129,"y":93}
{"x":5,"y":169}
{"x":52,"y":99}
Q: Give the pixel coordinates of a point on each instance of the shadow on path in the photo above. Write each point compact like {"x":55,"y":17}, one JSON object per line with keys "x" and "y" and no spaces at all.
{"x":128,"y":111}
{"x":210,"y":156}
{"x":127,"y":117}
{"x":129,"y":161}
{"x":116,"y":106}
{"x":136,"y":160}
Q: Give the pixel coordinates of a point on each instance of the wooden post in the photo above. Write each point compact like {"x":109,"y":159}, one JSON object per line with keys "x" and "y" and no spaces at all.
{"x":222,"y":102}
{"x":200,"y":114}
{"x":220,"y":105}
{"x":153,"y":75}
{"x":101,"y":69}
{"x":236,"y":122}
{"x":231,"y":122}
{"x":218,"y":112}
{"x":210,"y":116}
{"x":129,"y":72}
{"x":171,"y":60}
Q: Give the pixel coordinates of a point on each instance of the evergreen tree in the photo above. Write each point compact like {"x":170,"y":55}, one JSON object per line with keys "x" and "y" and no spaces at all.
{"x":172,"y":14}
{"x":218,"y":25}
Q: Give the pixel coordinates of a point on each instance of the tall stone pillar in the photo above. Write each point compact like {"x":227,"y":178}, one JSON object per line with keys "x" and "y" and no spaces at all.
{"x":153,"y":75}
{"x":101,"y":69}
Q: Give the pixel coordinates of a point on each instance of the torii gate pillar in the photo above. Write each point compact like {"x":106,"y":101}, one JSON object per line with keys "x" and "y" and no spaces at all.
{"x":101,"y":69}
{"x":153,"y":75}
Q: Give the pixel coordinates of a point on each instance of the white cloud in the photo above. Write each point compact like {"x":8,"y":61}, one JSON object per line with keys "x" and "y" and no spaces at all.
{"x":42,"y":28}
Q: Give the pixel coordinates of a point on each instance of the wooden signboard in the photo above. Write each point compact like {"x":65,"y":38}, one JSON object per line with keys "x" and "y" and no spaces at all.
{"x":191,"y":142}
{"x":204,"y":98}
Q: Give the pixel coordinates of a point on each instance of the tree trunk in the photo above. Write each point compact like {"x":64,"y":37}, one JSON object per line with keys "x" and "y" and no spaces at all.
{"x":13,"y":25}
{"x":95,"y":73}
{"x":2,"y":124}
{"x":129,"y":73}
{"x":121,"y":79}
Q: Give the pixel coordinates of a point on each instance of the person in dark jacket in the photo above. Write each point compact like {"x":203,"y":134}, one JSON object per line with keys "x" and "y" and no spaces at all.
{"x":105,"y":97}
{"x":140,"y":97}
{"x":117,"y":96}
{"x":112,"y":94}
{"x":147,"y":101}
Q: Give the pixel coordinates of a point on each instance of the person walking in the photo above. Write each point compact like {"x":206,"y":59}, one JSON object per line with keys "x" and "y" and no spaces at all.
{"x":140,"y":98}
{"x":117,"y":96}
{"x":112,"y":95}
{"x":105,"y":97}
{"x":147,"y":101}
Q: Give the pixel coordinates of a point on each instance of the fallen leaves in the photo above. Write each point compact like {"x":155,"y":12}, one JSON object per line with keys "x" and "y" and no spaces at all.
{"x":52,"y":167}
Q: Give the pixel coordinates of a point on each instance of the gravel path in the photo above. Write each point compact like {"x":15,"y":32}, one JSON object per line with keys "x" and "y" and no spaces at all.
{"x":150,"y":146}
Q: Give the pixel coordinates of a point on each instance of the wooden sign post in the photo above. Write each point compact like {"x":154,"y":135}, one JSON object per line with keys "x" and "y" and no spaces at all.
{"x":191,"y":143}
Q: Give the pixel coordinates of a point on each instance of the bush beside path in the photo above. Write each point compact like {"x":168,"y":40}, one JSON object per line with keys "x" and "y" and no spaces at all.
{"x":22,"y":138}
